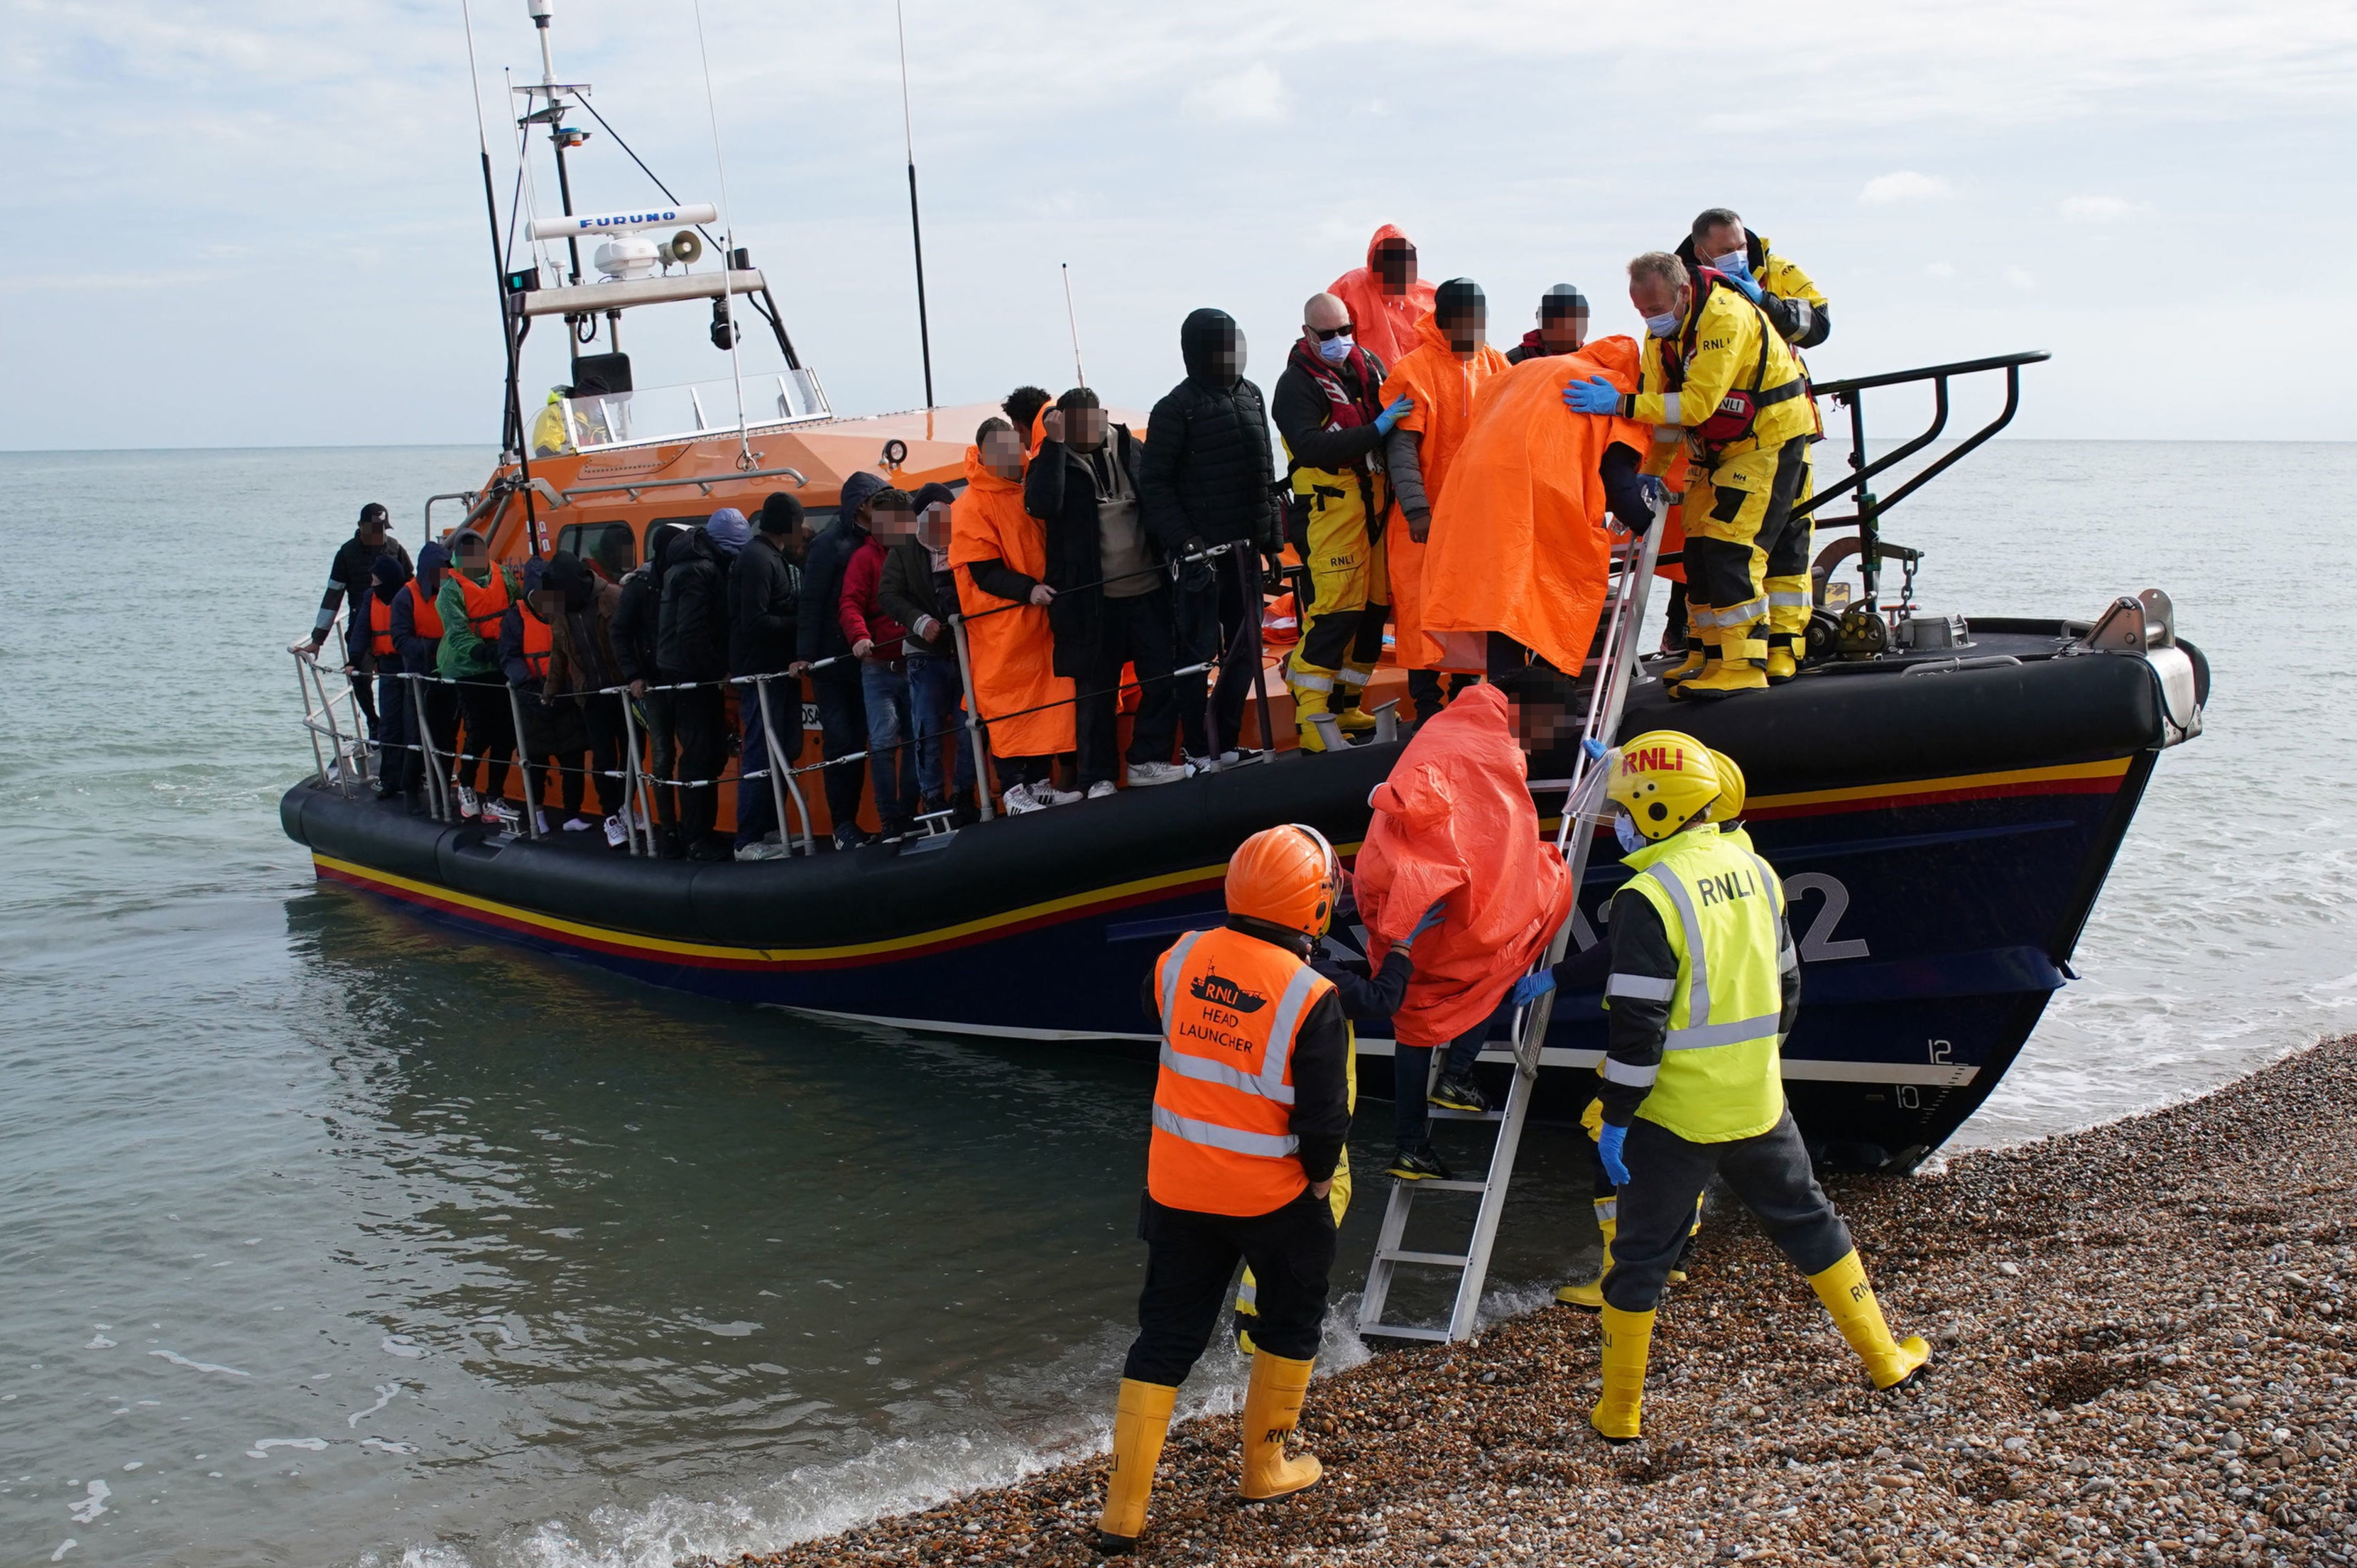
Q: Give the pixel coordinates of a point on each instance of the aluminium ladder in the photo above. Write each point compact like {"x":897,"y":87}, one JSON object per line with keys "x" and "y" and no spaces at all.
{"x":1633,"y":559}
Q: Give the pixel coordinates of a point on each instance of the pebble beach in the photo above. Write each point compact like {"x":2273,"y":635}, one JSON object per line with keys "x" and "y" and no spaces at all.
{"x":2144,"y":1353}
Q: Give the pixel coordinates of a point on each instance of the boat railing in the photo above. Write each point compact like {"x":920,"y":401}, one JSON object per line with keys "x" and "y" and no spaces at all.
{"x":601,"y":420}
{"x":1867,"y":517}
{"x":345,"y":755}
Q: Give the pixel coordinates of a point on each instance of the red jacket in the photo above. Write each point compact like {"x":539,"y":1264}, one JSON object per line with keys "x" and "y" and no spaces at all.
{"x":858,"y":610}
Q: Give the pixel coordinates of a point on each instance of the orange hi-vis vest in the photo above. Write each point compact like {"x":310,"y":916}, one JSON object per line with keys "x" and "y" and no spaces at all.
{"x":424,"y":612}
{"x":1233,"y":1006}
{"x":379,"y":622}
{"x":536,"y":643}
{"x":486,"y":602}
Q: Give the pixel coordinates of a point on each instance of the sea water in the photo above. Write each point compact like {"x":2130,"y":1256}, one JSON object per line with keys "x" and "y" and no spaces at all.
{"x":331,"y":1238}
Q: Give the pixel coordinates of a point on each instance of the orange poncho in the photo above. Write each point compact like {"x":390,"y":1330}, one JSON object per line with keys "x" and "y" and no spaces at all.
{"x":1013,"y":650}
{"x":1455,"y":822}
{"x":1443,"y":386}
{"x":1518,"y":542}
{"x":1384,"y":324}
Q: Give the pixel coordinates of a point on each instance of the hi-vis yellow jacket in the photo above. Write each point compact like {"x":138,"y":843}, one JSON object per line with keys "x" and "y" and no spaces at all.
{"x":1704,"y":984}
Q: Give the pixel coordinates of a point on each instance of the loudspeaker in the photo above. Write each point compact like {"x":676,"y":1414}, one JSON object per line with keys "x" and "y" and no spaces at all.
{"x":593,"y":375}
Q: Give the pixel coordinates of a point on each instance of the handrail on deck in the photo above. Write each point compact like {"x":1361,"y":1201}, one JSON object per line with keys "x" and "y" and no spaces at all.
{"x":1866,"y":519}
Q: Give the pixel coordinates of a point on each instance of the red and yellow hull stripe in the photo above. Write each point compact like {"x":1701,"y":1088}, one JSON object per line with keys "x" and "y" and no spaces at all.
{"x":2093,"y":778}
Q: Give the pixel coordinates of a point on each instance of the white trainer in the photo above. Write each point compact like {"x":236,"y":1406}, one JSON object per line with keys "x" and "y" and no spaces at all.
{"x":1017,"y":801}
{"x":1148,"y":773}
{"x":1101,"y":790}
{"x":616,"y":834}
{"x":1044,"y":790}
{"x":468,"y":805}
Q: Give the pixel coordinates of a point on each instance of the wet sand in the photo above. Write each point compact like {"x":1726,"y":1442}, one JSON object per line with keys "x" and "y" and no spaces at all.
{"x":2143,"y":1344}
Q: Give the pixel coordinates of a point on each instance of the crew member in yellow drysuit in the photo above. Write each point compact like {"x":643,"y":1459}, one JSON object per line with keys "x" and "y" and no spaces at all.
{"x":552,"y":435}
{"x":1328,"y":408}
{"x":1704,"y":986}
{"x":1716,"y":374}
{"x":1793,"y":302}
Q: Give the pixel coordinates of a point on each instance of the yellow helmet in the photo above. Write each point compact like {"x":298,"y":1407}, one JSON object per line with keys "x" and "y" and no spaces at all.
{"x":1665,"y":780}
{"x":1729,"y":804}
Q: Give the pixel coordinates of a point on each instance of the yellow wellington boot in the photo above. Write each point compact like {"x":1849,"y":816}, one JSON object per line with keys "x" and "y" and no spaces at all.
{"x":1140,"y":1422}
{"x":1627,"y":1337}
{"x":1350,"y":695}
{"x":1313,"y":694}
{"x":1781,"y":665}
{"x":1272,"y":1409}
{"x":1589,"y":1297}
{"x":1742,"y":653}
{"x":1844,"y":1290}
{"x":1697,"y":655}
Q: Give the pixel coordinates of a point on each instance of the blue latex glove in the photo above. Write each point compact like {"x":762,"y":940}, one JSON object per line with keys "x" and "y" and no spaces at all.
{"x":1744,"y":282}
{"x":1654,"y":489}
{"x":1394,"y":412}
{"x":1531,"y":987}
{"x":1594,"y":395}
{"x":1608,"y":1150}
{"x":1431,"y":918}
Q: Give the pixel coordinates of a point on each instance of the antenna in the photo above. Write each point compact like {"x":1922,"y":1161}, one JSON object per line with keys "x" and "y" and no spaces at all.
{"x":1081,"y":377}
{"x":916,"y":227}
{"x":728,"y":232}
{"x":500,"y":282}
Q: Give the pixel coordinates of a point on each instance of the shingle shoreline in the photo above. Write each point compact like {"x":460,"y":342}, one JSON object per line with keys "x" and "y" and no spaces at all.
{"x":2145,"y":1353}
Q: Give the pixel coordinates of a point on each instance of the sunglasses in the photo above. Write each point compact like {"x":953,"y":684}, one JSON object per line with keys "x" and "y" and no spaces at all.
{"x":1327,"y":334}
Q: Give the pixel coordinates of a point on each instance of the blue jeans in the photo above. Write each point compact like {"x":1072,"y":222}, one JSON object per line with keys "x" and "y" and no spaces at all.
{"x":937,"y":697}
{"x":885,"y":689}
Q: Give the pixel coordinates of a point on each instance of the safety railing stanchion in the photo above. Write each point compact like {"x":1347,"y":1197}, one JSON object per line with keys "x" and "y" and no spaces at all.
{"x":303,"y":668}
{"x":438,"y":802}
{"x":635,"y":817}
{"x":984,"y":785}
{"x":523,"y":769}
{"x":781,"y":778}
{"x":1254,"y":608}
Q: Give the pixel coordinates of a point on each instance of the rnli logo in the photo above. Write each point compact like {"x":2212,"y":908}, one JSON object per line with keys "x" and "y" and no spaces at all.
{"x":1654,"y":760}
{"x":1218,"y":991}
{"x":1726,"y":888}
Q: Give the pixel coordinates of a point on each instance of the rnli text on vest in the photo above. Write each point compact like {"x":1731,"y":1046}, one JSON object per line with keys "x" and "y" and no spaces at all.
{"x":1727,"y":886}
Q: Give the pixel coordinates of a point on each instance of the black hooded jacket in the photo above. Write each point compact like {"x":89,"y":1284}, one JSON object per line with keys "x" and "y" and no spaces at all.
{"x":764,"y":599}
{"x":638,"y":618}
{"x":1207,"y":471}
{"x":818,"y":635}
{"x":693,"y":644}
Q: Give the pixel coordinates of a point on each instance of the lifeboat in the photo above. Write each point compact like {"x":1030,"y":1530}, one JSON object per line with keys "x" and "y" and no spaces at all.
{"x":1942,"y":795}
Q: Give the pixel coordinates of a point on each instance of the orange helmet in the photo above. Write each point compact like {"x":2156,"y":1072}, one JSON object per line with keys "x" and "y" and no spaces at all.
{"x":1289,"y":876}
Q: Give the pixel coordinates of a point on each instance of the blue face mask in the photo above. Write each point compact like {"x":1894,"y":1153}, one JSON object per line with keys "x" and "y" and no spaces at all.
{"x":1334,"y":350}
{"x":1663,"y":326}
{"x":1624,"y":828}
{"x":1735,"y":264}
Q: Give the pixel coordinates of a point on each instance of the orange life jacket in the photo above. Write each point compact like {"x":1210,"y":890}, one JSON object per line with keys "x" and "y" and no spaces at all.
{"x":424,"y":612}
{"x":486,"y":602}
{"x":379,"y":622}
{"x":536,"y":643}
{"x":1232,"y":1007}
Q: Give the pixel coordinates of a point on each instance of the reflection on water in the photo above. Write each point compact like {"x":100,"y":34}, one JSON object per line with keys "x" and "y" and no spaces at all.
{"x":332,"y":1237}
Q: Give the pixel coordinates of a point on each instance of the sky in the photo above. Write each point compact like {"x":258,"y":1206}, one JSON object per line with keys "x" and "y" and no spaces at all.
{"x":261,"y":222}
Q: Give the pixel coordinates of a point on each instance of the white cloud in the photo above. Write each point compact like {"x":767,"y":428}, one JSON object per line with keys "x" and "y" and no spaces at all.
{"x":2019,"y":278}
{"x":1905,"y":185}
{"x":1254,"y":95}
{"x":1939,"y":269}
{"x":2096,"y":209}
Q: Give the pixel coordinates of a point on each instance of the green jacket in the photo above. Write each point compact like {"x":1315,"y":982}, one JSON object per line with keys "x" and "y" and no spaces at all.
{"x":464,"y":656}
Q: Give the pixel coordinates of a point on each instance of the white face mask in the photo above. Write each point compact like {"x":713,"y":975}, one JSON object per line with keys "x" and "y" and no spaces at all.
{"x":1663,"y":326}
{"x":1735,"y":263}
{"x":1624,"y":828}
{"x":1334,"y":350}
